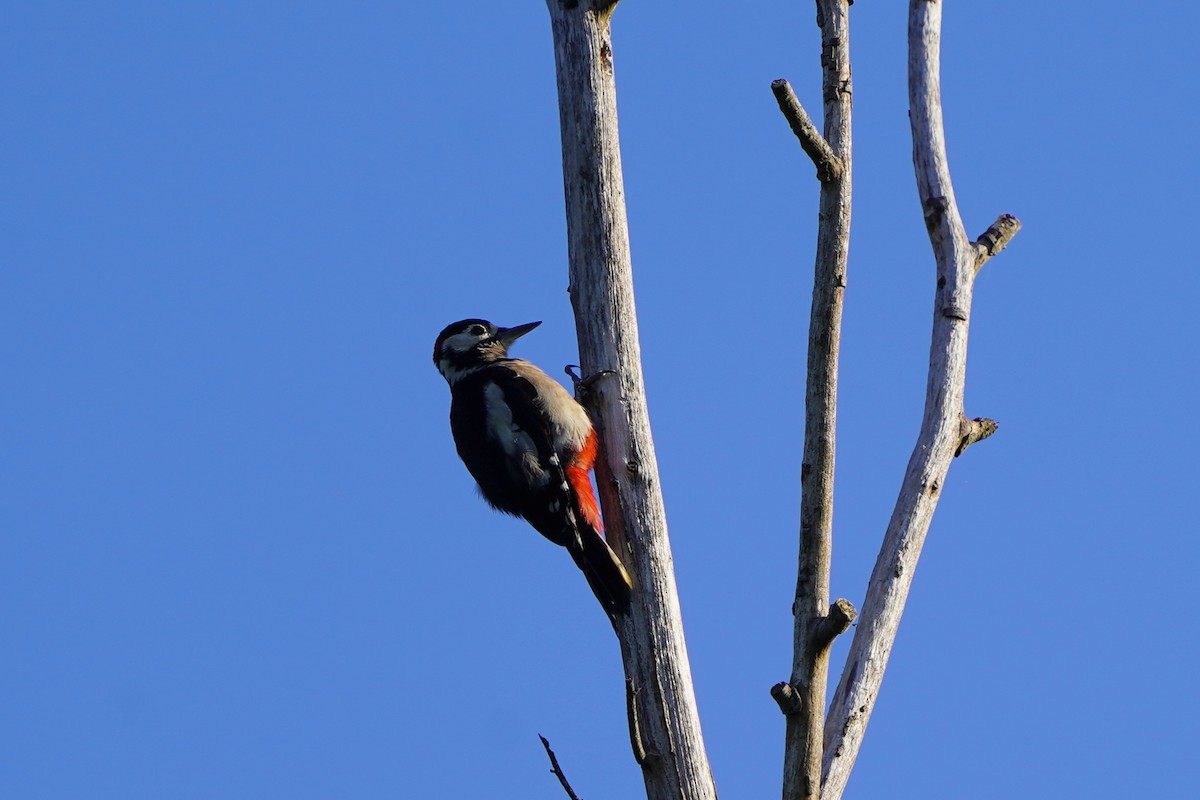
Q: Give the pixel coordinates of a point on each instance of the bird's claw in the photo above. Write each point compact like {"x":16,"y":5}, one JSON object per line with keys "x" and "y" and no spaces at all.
{"x":584,"y":385}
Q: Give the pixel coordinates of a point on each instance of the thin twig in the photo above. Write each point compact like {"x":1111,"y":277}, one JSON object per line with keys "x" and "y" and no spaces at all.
{"x":557,"y":770}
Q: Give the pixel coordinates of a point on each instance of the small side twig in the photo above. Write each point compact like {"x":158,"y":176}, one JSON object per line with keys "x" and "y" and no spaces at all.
{"x":841,"y":616}
{"x":789,"y":700}
{"x":995,"y":238}
{"x":974,"y":430}
{"x":557,"y":770}
{"x":829,"y":166}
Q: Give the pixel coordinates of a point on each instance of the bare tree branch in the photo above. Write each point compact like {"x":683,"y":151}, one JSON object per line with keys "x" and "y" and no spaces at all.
{"x":829,"y":166}
{"x":557,"y":770}
{"x":972,"y":431}
{"x":838,"y":621}
{"x":788,"y":698}
{"x":942,"y":429}
{"x":664,"y":723}
{"x":814,"y":628}
{"x":996,"y":238}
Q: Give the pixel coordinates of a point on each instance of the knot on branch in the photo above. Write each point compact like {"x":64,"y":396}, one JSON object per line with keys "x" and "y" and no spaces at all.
{"x":934,"y":209}
{"x":787,"y":698}
{"x":972,"y":431}
{"x":955,"y":312}
{"x":995,"y":238}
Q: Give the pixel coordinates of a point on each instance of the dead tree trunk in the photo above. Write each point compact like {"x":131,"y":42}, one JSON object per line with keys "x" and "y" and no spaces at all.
{"x":664,"y":724}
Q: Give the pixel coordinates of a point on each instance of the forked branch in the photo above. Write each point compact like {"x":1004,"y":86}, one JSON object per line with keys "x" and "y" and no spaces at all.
{"x":945,"y":431}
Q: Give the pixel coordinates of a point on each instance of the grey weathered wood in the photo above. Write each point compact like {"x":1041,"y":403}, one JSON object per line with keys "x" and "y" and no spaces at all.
{"x":942,"y":426}
{"x":814,"y":625}
{"x":664,"y":723}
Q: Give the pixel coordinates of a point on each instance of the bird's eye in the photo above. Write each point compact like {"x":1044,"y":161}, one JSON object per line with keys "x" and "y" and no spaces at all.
{"x":477,"y":330}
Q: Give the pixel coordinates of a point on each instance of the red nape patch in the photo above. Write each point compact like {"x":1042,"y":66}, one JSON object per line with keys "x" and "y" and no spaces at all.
{"x":437,"y":346}
{"x":577,"y":476}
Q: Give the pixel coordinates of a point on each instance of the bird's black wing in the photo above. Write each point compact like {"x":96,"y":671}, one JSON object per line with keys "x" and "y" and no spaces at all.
{"x":505,"y":444}
{"x":533,"y":484}
{"x":550,"y":508}
{"x":556,"y":513}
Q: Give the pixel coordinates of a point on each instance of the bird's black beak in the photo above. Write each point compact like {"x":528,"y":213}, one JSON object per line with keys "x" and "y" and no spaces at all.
{"x":509,"y":335}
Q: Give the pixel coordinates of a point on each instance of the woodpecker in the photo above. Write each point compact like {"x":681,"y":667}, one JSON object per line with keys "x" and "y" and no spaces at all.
{"x":530,"y":446}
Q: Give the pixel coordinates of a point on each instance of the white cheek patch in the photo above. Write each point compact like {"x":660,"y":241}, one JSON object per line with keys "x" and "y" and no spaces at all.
{"x":457,"y":344}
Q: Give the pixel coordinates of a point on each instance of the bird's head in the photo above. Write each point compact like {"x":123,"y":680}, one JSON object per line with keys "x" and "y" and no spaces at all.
{"x":464,"y":346}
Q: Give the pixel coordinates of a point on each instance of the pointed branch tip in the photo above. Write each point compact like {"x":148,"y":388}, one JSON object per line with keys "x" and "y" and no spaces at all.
{"x":557,"y":770}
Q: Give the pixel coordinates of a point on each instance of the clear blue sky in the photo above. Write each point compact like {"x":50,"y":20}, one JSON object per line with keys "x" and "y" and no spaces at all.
{"x":240,"y":559}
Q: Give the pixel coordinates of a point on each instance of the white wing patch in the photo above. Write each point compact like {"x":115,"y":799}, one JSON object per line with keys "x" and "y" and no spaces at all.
{"x":500,"y":424}
{"x":516,"y":443}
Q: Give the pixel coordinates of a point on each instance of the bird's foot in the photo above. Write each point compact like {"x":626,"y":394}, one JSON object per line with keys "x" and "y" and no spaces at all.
{"x":584,"y":385}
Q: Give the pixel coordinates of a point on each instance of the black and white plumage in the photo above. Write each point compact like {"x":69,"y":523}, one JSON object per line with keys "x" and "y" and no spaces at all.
{"x":530,"y":446}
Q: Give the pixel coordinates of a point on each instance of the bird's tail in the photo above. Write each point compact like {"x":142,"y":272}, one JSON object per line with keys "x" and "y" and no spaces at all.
{"x":604,"y":571}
